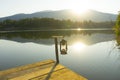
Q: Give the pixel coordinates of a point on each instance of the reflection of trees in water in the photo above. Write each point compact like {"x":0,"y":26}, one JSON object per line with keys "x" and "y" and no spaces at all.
{"x":118,"y":41}
{"x":89,"y":37}
{"x":113,"y":53}
{"x":48,"y":34}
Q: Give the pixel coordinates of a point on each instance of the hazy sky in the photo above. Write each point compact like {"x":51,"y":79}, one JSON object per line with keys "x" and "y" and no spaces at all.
{"x":11,"y":7}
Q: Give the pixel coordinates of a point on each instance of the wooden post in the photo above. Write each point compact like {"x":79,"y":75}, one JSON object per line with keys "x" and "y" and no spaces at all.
{"x":56,"y":47}
{"x":56,"y":50}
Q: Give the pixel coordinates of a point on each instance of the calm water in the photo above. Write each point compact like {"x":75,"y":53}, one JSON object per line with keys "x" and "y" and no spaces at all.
{"x":93,"y":54}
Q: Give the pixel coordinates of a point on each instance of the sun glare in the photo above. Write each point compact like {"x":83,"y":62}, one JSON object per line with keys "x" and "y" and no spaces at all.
{"x":79,"y":10}
{"x":79,"y":46}
{"x":78,"y":29}
{"x":80,"y":6}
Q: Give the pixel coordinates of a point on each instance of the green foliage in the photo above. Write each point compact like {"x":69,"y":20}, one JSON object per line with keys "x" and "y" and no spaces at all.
{"x":8,"y":22}
{"x":117,"y":26}
{"x":50,"y":23}
{"x":117,"y":30}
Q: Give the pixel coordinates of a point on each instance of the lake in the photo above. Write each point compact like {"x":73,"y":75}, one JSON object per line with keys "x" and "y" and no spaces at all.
{"x":91,"y":53}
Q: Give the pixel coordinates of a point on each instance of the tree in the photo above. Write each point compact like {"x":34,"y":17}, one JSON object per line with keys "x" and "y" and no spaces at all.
{"x":117,"y":29}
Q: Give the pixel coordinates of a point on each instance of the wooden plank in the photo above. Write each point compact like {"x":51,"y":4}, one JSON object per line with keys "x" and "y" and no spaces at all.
{"x":45,"y":70}
{"x":61,"y":74}
{"x":20,"y":68}
{"x":24,"y":69}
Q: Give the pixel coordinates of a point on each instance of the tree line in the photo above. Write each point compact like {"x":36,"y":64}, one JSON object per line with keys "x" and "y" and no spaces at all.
{"x":50,"y":23}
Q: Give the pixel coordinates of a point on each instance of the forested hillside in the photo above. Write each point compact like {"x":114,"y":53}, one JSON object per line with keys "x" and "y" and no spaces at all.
{"x":50,"y":23}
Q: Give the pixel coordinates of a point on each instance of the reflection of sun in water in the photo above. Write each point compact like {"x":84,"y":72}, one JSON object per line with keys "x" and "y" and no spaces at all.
{"x":78,"y":29}
{"x":79,"y":46}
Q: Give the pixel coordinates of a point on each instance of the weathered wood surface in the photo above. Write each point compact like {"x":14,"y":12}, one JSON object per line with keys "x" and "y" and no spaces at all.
{"x":45,"y":70}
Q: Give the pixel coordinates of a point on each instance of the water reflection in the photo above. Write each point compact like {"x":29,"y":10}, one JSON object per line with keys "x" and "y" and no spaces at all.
{"x":45,"y":37}
{"x":78,"y":46}
{"x":78,"y":29}
{"x":90,"y":53}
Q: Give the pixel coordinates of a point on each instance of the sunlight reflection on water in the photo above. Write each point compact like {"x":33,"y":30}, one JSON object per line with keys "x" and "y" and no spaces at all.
{"x":93,"y":55}
{"x":78,"y":46}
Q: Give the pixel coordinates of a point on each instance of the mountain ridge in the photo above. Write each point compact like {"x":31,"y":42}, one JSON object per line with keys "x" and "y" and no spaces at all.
{"x":66,"y":14}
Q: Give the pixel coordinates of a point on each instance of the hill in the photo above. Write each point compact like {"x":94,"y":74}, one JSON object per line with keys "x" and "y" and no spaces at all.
{"x":66,"y":14}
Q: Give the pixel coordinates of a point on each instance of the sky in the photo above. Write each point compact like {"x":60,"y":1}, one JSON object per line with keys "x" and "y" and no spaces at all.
{"x":11,"y":7}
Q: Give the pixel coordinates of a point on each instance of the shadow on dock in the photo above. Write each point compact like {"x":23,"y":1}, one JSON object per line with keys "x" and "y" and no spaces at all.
{"x":52,"y":70}
{"x":45,"y":70}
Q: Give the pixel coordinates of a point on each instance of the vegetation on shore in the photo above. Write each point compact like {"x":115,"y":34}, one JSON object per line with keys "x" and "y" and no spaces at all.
{"x":117,"y":26}
{"x":50,"y":23}
{"x":117,"y":29}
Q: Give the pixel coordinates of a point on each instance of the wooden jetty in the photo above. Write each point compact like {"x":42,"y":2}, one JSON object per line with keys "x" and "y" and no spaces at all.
{"x":45,"y":70}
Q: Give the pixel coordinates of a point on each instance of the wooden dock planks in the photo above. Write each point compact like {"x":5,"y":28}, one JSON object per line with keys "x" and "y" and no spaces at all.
{"x":45,"y":70}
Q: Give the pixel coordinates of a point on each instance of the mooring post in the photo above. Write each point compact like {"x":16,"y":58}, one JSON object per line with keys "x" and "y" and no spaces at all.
{"x":56,"y":50}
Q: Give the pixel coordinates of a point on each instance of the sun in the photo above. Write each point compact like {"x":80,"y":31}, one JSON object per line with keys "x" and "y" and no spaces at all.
{"x":79,"y":10}
{"x":80,"y":6}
